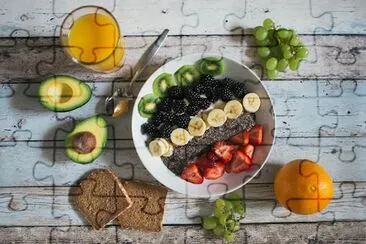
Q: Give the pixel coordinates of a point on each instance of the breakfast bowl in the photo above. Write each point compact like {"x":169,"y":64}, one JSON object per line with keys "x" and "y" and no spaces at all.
{"x":264,"y":116}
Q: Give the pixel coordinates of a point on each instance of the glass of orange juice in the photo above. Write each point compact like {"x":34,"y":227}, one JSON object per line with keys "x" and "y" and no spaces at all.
{"x":91,"y":36}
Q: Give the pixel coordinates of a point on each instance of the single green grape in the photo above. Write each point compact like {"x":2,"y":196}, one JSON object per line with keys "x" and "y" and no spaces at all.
{"x":268,"y":24}
{"x":272,"y":74}
{"x":255,"y":29}
{"x":294,"y":40}
{"x":261,"y":34}
{"x":237,"y":226}
{"x":293,"y":64}
{"x":220,"y":211}
{"x":220,"y":203}
{"x":230,"y":225}
{"x":228,"y":206}
{"x":283,"y":34}
{"x":219,"y":230}
{"x":263,"y":52}
{"x":301,"y":53}
{"x":271,"y":63}
{"x":239,"y":209}
{"x":263,"y":43}
{"x":209,"y":222}
{"x":282,"y":65}
{"x":222,"y":219}
{"x":284,"y":47}
{"x":287,"y":54}
{"x":229,"y":236}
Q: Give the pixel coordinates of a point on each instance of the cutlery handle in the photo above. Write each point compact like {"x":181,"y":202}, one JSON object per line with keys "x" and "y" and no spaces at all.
{"x":147,"y":56}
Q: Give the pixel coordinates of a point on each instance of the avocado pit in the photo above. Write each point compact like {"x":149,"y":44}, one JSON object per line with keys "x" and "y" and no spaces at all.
{"x":84,"y":142}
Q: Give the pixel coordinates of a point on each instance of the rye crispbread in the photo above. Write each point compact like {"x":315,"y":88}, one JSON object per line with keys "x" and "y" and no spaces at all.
{"x":101,"y":197}
{"x":147,"y":210}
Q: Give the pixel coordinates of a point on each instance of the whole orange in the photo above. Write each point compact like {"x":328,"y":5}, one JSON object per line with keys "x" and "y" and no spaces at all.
{"x":303,"y":187}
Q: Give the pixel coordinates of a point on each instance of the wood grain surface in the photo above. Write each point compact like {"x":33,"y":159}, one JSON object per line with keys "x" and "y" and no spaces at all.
{"x":320,"y":115}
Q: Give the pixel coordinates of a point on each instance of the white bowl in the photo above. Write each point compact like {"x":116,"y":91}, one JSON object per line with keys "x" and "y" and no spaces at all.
{"x":228,"y":182}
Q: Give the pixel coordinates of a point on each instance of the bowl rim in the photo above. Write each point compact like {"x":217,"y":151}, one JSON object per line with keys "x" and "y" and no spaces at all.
{"x":247,"y":179}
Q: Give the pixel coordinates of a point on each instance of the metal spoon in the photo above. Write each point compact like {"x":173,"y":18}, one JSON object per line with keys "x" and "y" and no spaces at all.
{"x":117,"y":104}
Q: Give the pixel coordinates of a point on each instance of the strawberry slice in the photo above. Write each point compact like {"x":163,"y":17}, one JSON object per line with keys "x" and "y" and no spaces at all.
{"x":223,"y":151}
{"x":237,"y":139}
{"x":256,"y":135}
{"x":215,"y":172}
{"x":192,"y":174}
{"x":246,"y":137}
{"x":248,"y":150}
{"x":240,"y":162}
{"x":212,"y":156}
{"x":203,"y":162}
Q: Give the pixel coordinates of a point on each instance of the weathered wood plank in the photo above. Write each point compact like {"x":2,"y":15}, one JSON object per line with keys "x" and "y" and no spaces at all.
{"x":42,"y":206}
{"x":45,"y":164}
{"x":189,"y":16}
{"x":341,"y":232}
{"x":24,"y":59}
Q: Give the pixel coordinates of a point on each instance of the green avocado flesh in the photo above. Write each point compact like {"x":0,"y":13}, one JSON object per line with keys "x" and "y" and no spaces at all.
{"x":211,"y":65}
{"x":97,"y":126}
{"x":162,"y":83}
{"x":147,"y":105}
{"x":187,"y":74}
{"x":63,"y":93}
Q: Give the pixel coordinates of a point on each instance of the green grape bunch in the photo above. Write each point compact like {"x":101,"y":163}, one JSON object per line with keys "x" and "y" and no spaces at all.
{"x":225,"y":221}
{"x":278,"y":48}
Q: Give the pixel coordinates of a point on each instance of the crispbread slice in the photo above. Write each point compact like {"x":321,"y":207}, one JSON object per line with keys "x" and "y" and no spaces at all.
{"x":101,"y":197}
{"x":147,"y":210}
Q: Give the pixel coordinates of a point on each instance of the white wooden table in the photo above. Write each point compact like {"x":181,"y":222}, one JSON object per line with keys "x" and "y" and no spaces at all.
{"x":320,"y":109}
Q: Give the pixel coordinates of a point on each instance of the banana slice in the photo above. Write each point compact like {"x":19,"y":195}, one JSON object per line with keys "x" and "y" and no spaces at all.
{"x":180,"y":137}
{"x":169,"y":152}
{"x":204,"y":117}
{"x":251,"y":102}
{"x":197,"y":126}
{"x":166,"y":144}
{"x":233,"y":109}
{"x":157,"y":147}
{"x":216,"y":117}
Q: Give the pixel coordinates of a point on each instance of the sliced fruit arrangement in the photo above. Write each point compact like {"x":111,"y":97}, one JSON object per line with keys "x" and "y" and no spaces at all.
{"x":232,"y":156}
{"x":279,"y":48}
{"x":225,"y":221}
{"x":63,"y":93}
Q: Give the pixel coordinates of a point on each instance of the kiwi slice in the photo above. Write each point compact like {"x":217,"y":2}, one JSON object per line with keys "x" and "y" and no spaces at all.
{"x":187,"y":74}
{"x":211,"y":65}
{"x":147,"y":105}
{"x":162,"y":83}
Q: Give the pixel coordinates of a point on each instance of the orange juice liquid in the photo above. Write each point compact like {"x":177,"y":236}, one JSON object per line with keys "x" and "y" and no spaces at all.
{"x":95,"y":40}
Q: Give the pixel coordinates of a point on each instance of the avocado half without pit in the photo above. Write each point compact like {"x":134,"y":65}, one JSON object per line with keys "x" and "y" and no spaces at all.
{"x":87,"y":141}
{"x":63,"y":93}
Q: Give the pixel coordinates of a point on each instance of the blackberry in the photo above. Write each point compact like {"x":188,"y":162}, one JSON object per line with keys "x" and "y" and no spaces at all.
{"x":148,"y":129}
{"x":226,"y":95}
{"x":178,"y":106}
{"x":176,"y":92}
{"x":165,"y":105}
{"x":166,"y":130}
{"x":203,"y":103}
{"x":192,"y":109}
{"x":206,"y":79}
{"x":238,"y":89}
{"x":158,"y":118}
{"x":199,"y":88}
{"x":210,"y":91}
{"x":191,"y":95}
{"x":182,"y":120}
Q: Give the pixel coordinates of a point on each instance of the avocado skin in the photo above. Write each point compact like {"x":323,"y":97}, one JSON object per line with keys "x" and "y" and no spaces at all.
{"x":96,"y":125}
{"x":67,"y":106}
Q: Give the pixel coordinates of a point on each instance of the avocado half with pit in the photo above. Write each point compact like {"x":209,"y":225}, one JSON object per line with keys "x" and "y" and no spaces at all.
{"x":87,"y":141}
{"x":63,"y":93}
